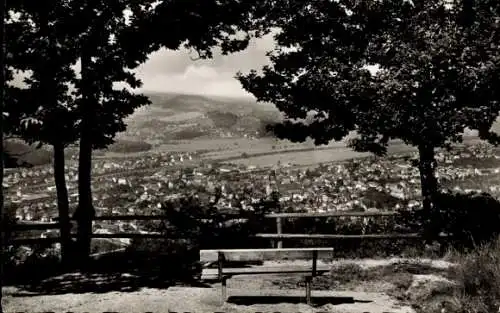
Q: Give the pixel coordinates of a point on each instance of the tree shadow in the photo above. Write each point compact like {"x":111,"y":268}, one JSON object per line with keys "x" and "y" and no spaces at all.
{"x":123,"y":272}
{"x":316,"y":300}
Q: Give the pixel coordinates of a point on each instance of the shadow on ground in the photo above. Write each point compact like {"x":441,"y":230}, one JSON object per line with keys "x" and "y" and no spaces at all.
{"x":316,"y":301}
{"x":123,"y":272}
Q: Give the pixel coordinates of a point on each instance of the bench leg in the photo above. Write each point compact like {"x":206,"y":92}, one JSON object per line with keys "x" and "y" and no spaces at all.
{"x":221,"y":276}
{"x":308,"y":289}
{"x":223,"y":290}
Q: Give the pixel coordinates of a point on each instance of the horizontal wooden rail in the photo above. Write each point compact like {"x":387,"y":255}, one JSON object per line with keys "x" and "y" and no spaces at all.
{"x":124,"y":218}
{"x":99,"y":255}
{"x":130,"y":217}
{"x":23,"y":226}
{"x":36,"y":240}
{"x":129,"y":235}
{"x":338,"y":236}
{"x":331,"y":214}
{"x":33,"y":241}
{"x":236,"y":214}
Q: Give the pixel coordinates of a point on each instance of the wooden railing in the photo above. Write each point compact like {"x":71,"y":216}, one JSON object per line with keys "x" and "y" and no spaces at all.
{"x":279,"y":236}
{"x":24,"y":226}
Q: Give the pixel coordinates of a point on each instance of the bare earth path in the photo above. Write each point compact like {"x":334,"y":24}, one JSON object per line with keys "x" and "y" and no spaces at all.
{"x":363,"y":298}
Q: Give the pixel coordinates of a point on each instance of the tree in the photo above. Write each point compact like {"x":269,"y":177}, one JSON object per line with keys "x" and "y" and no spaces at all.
{"x":2,"y":99}
{"x":438,"y":68}
{"x":100,"y":106}
{"x":110,"y":47}
{"x":51,"y":41}
{"x":44,"y":48}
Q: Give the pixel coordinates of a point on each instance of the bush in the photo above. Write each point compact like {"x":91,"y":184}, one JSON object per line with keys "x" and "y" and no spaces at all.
{"x":379,"y":199}
{"x":25,"y":265}
{"x":223,"y":119}
{"x":471,"y":219}
{"x":478,"y":279}
{"x":350,"y":248}
{"x":468,"y":219}
{"x":191,"y":227}
{"x":187,"y":134}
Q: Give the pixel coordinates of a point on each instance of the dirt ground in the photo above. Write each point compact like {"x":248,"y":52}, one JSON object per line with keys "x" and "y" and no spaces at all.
{"x":257,"y":293}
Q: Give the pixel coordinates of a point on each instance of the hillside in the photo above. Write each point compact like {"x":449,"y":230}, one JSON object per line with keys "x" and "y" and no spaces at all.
{"x":18,"y":153}
{"x":182,"y":116}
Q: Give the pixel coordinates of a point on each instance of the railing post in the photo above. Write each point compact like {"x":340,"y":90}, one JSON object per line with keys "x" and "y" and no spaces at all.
{"x":308,"y":289}
{"x":222,"y":278}
{"x":315,"y":261}
{"x":279,"y":231}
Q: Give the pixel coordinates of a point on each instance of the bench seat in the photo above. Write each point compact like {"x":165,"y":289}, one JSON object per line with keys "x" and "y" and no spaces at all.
{"x":213,"y":273}
{"x":241,"y":255}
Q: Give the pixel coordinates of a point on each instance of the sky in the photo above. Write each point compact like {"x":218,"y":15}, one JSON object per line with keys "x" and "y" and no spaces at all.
{"x":175,"y":71}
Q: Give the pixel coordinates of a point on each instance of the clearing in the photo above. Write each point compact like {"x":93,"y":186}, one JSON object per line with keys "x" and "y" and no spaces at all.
{"x":354,"y":286}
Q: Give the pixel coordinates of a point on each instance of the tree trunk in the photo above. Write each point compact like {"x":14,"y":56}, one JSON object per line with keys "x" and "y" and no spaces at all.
{"x":85,"y":211}
{"x":48,"y":96}
{"x":429,"y":185}
{"x":2,"y":98}
{"x":62,"y":203}
{"x":427,"y":168}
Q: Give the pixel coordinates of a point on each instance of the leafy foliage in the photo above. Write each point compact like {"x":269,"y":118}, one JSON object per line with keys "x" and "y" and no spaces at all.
{"x":437,"y":62}
{"x":227,"y":25}
{"x":431,"y":66}
{"x":469,"y":219}
{"x":45,"y":104}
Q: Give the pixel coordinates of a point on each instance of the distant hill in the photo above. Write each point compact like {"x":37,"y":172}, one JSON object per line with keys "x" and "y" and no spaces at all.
{"x":183,"y":116}
{"x":198,"y":103}
{"x":19,"y":154}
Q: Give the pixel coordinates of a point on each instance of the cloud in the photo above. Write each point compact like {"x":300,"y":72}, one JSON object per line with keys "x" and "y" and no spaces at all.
{"x":175,"y":71}
{"x":195,"y":79}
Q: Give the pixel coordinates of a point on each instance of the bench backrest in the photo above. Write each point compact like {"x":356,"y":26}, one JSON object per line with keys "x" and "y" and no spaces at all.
{"x":266,"y":254}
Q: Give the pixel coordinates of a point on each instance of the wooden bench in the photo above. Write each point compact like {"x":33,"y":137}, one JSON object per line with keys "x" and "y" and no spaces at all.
{"x":221,"y":273}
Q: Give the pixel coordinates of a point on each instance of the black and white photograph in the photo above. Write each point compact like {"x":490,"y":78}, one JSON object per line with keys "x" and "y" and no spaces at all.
{"x":253,"y":156}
